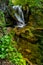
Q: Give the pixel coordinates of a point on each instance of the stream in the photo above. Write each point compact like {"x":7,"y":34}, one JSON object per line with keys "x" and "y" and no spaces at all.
{"x":19,"y":16}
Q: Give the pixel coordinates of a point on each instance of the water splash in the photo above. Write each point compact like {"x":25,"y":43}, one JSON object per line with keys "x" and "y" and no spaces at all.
{"x":19,"y":16}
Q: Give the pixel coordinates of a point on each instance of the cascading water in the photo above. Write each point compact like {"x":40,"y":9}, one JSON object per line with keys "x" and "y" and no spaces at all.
{"x":19,"y":16}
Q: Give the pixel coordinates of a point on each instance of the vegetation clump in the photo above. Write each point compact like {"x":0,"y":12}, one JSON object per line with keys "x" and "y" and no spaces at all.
{"x":2,"y":19}
{"x":7,"y":51}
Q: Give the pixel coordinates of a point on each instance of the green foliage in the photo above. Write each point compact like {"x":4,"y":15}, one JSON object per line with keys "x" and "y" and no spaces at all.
{"x":8,"y":51}
{"x":29,"y":2}
{"x":10,"y":2}
{"x":5,"y":46}
{"x":17,"y":58}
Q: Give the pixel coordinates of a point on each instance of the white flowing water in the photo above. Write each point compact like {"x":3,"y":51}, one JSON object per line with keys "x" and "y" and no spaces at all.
{"x":19,"y":16}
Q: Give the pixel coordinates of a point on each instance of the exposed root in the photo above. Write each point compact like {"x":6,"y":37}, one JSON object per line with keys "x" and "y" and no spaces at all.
{"x":29,"y":62}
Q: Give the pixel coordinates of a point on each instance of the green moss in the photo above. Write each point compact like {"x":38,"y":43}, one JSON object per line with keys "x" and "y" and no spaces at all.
{"x":2,"y":19}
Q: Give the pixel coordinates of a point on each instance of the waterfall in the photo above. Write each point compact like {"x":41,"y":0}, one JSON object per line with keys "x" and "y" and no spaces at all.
{"x":19,"y":16}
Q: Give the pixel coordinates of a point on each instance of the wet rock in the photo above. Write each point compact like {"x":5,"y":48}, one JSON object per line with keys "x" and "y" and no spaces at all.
{"x":27,"y":12}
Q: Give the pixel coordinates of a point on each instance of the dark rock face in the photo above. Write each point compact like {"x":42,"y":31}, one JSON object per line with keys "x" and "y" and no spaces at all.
{"x":27,"y":12}
{"x":3,"y":4}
